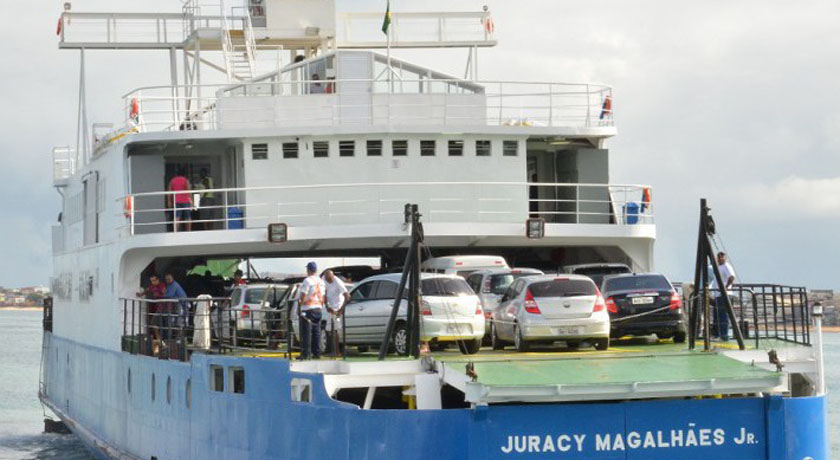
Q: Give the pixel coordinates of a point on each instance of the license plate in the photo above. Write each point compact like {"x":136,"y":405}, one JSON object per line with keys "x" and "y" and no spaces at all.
{"x":566,"y":330}
{"x":642,"y":300}
{"x":458,"y":329}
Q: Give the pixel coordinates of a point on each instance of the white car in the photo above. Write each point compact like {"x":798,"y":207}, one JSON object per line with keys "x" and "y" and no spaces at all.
{"x":450,"y":312}
{"x":551,"y":308}
{"x":491,"y":284}
{"x":462,"y":265}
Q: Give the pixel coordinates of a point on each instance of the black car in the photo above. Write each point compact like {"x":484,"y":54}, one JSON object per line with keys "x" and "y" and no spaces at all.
{"x":648,"y":295}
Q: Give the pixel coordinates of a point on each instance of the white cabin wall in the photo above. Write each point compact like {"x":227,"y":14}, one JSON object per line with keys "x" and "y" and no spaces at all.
{"x":288,"y":18}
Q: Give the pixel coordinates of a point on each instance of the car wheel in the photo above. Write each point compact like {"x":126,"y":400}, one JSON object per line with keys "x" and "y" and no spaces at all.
{"x":401,"y":339}
{"x":518,"y":341}
{"x":469,"y":347}
{"x":679,"y":337}
{"x":324,"y":340}
{"x":601,"y":344}
{"x":495,"y":341}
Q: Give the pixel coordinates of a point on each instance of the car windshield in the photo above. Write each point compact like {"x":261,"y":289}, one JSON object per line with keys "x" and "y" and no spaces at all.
{"x":235,"y":296}
{"x":562,"y":288}
{"x":637,"y":283}
{"x":445,"y":287}
{"x":254,"y":295}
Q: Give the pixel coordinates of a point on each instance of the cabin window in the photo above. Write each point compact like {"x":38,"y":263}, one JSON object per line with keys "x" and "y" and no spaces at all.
{"x":399,"y":148}
{"x":217,"y":378}
{"x":374,"y":148}
{"x":153,"y":387}
{"x":456,"y":148}
{"x":346,"y":148}
{"x":237,"y":380}
{"x":427,"y":148}
{"x":321,"y":149}
{"x":290,"y":149}
{"x":301,"y":390}
{"x":169,"y":390}
{"x":129,"y":380}
{"x":482,"y":148}
{"x":188,"y":393}
{"x":259,"y":151}
{"x":510,"y":148}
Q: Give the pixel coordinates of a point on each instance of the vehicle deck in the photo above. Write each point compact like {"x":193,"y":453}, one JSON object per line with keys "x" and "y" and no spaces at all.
{"x":630,"y":369}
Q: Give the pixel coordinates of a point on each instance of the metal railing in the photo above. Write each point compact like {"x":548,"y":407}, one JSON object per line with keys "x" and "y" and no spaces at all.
{"x":371,"y":203}
{"x":417,"y":29}
{"x":444,"y":102}
{"x":174,"y":328}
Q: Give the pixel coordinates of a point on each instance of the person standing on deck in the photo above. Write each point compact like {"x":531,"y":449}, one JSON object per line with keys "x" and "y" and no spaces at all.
{"x":337,"y":298}
{"x":181,"y":203}
{"x":311,"y":302}
{"x":727,"y":274}
{"x":154,"y":291}
{"x":175,"y":311}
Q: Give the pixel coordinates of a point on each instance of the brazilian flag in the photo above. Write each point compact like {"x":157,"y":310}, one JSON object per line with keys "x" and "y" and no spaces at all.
{"x":386,"y":23}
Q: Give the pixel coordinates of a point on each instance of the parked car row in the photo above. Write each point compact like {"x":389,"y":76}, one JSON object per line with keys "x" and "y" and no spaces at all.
{"x":470,"y":299}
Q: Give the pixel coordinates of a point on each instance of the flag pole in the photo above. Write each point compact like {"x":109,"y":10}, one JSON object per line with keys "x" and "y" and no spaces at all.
{"x":390,"y":69}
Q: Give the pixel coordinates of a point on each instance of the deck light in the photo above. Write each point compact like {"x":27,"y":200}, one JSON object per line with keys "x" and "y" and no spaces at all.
{"x":536,"y":228}
{"x":278,"y":233}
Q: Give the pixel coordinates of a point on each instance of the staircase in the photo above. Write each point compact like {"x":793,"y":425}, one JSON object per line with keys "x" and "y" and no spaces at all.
{"x":240,"y":59}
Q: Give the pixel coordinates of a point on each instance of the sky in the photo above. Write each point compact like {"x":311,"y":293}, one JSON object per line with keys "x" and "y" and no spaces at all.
{"x":736,"y":102}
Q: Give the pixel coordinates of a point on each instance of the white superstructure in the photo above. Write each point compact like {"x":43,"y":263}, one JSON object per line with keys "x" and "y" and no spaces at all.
{"x":333,"y":146}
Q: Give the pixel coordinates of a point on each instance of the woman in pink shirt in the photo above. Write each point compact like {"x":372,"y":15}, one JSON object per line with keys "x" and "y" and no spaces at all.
{"x":182,"y":201}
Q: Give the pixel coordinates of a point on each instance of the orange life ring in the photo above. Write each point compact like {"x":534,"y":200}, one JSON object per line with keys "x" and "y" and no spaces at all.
{"x":134,"y":109}
{"x":489,"y":25}
{"x":128,"y":207}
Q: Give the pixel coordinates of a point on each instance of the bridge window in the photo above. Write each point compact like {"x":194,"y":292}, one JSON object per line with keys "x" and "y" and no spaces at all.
{"x":290,"y":149}
{"x":399,"y":148}
{"x":427,"y":148}
{"x":482,"y":148}
{"x":346,"y":148}
{"x":374,"y":148}
{"x":259,"y":151}
{"x":510,"y":148}
{"x":321,"y":149}
{"x":456,"y":148}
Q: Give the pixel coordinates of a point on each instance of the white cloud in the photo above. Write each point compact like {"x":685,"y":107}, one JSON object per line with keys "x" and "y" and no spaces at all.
{"x":792,"y":196}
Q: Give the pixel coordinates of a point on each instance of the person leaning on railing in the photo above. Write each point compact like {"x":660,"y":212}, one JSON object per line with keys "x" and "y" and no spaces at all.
{"x":176,"y":312}
{"x":154,"y":291}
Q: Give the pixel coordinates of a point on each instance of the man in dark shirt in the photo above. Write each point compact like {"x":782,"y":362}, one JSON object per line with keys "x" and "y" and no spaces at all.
{"x":177,"y":313}
{"x":155,"y":290}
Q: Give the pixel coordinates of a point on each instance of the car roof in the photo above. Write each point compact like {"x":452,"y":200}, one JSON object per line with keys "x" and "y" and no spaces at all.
{"x":502,"y":271}
{"x":540,"y":278}
{"x":396,"y":277}
{"x":630,"y":275}
{"x":596,"y":265}
{"x":260,"y":285}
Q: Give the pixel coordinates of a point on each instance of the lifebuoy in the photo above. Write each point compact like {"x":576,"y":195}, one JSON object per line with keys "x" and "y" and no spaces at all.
{"x":129,"y":206}
{"x":489,"y":25}
{"x":134,"y":109}
{"x":606,"y":107}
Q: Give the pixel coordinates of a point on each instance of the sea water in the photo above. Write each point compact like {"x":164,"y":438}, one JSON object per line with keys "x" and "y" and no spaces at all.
{"x":21,"y":414}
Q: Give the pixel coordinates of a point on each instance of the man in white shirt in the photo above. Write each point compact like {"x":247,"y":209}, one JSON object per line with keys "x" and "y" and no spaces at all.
{"x":311,"y":302}
{"x":727,"y":274}
{"x":337,"y":298}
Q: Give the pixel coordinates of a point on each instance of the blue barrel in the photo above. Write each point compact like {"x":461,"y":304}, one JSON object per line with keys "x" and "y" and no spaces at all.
{"x":631,"y":213}
{"x":235,"y":219}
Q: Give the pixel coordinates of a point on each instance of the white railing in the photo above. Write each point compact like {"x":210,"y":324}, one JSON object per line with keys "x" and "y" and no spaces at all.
{"x":270,"y":103}
{"x":381,"y":203}
{"x":64,"y":163}
{"x":413,"y":30}
{"x":122,"y":29}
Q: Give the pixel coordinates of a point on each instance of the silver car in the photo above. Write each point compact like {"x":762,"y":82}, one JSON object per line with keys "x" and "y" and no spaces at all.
{"x":551,"y":308}
{"x":490,"y":285}
{"x":450,"y":312}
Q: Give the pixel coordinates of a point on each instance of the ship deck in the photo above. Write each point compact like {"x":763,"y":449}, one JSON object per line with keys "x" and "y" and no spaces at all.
{"x":629,"y":369}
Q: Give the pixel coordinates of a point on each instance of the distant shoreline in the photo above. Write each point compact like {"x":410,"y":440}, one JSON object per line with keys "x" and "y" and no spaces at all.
{"x":831,"y":328}
{"x":21,"y":308}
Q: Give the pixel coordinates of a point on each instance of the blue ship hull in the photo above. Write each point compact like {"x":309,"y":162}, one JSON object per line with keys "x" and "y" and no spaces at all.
{"x":108,"y":399}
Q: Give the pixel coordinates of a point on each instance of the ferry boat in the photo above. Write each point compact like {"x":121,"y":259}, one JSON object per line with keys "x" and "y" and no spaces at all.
{"x":309,"y":138}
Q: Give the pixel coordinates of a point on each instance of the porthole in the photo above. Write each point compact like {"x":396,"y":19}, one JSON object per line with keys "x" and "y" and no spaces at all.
{"x":169,"y":390}
{"x":188,"y":391}
{"x":128,"y":382}
{"x":153,"y":387}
